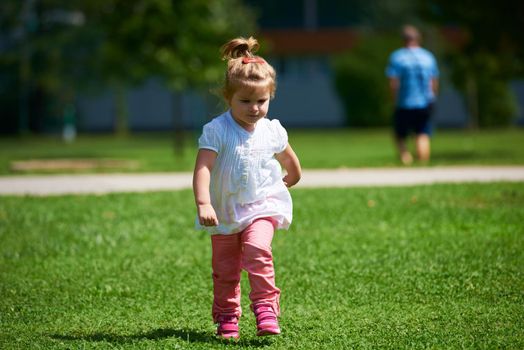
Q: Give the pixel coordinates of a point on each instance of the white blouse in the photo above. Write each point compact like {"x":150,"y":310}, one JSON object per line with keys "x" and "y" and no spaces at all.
{"x":246,"y":180}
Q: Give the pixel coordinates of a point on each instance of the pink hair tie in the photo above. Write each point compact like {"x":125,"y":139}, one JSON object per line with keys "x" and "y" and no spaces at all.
{"x":246,"y":60}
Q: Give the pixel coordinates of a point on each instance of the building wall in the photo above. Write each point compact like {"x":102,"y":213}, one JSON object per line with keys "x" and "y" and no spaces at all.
{"x":305,"y":95}
{"x":518,"y":88}
{"x":150,"y":107}
{"x":305,"y":98}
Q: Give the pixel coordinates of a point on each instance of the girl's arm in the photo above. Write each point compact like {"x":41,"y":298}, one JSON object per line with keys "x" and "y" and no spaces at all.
{"x":289,"y":161}
{"x":201,"y":179}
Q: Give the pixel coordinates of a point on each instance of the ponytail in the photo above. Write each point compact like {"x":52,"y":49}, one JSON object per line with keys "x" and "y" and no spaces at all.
{"x":239,"y":47}
{"x":244,"y":68}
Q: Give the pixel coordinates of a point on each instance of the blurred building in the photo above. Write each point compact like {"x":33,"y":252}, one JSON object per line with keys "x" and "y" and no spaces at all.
{"x":299,"y":37}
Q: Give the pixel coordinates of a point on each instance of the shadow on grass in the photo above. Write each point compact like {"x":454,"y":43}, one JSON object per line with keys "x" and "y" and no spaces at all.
{"x":158,"y":334}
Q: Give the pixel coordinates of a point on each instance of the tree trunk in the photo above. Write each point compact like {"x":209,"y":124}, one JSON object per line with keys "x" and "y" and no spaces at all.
{"x":178,"y":124}
{"x":472,"y":101}
{"x":121,"y":111}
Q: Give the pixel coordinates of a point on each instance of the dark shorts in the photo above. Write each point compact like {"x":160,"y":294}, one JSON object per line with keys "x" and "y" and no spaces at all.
{"x":415,"y":120}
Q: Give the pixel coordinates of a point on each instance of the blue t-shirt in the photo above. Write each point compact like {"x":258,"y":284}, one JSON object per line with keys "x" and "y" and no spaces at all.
{"x":414,"y":67}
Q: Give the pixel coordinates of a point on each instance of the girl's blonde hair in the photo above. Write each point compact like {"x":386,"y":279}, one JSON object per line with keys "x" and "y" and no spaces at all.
{"x":244,"y":69}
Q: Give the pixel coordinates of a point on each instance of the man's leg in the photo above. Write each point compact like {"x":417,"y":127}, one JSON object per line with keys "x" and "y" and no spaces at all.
{"x":405,"y":156}
{"x":423,"y":147}
{"x":401,"y":120}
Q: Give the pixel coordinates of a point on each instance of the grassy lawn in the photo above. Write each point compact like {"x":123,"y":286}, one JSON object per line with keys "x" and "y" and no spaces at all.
{"x":415,"y":267}
{"x":346,"y":148}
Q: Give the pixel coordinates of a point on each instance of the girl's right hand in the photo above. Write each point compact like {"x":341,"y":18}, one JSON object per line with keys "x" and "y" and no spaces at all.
{"x":207,"y":215}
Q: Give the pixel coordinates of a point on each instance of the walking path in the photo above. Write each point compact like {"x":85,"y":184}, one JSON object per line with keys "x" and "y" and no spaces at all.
{"x":106,"y":183}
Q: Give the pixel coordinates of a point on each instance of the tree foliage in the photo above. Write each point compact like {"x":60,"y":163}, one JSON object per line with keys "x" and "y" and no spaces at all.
{"x":490,"y":56}
{"x":55,"y":48}
{"x":491,"y":26}
{"x":360,"y":81}
{"x":177,"y":40}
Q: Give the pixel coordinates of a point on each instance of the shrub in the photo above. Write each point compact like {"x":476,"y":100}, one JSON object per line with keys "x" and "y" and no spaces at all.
{"x":361,"y":83}
{"x":483,"y":80}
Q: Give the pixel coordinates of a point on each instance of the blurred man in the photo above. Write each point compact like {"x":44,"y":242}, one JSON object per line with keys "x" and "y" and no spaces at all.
{"x":413,"y":80}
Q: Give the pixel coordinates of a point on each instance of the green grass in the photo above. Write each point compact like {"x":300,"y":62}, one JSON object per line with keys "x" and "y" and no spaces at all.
{"x":316,"y":149}
{"x":374,"y":148}
{"x":152,"y":152}
{"x":414,"y":267}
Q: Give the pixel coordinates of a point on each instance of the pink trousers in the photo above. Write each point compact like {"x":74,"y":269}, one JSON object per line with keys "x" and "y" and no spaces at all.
{"x":249,"y":250}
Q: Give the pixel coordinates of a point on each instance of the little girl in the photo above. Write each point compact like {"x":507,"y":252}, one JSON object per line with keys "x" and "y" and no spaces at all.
{"x":240,"y":194}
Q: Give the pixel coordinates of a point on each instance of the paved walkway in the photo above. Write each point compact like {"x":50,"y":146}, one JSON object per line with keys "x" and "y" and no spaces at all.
{"x":105,"y":183}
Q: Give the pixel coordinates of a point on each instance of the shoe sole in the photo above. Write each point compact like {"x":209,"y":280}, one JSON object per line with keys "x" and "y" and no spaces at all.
{"x":267,"y":332}
{"x":228,"y":337}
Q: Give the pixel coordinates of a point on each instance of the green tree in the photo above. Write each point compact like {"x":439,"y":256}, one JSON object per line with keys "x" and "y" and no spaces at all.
{"x":490,"y":56}
{"x":39,"y":59}
{"x":360,"y":81}
{"x":175,"y":40}
{"x":73,"y":45}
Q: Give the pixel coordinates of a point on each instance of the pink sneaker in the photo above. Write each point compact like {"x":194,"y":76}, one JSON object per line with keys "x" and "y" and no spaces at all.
{"x":267,"y":323}
{"x":228,"y":327}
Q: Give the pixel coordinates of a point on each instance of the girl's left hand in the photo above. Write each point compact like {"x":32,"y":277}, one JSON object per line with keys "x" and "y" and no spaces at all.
{"x":286,"y":182}
{"x":289,"y":161}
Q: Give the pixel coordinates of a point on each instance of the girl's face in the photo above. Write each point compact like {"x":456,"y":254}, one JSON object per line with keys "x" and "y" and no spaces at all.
{"x":249,"y":105}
